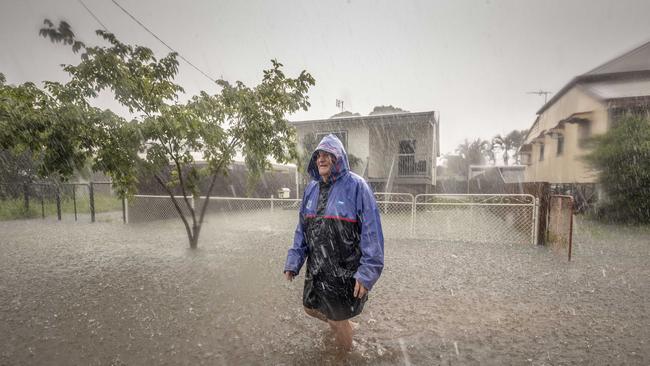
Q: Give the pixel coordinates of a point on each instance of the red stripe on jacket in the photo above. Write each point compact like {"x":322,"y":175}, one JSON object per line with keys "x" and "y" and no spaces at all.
{"x":332,"y":217}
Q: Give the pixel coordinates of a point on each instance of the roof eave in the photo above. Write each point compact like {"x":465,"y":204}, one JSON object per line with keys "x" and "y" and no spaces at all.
{"x":363,"y":118}
{"x":591,"y":78}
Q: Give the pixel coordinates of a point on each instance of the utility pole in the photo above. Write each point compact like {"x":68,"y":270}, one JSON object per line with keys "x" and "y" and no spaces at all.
{"x":541,"y":92}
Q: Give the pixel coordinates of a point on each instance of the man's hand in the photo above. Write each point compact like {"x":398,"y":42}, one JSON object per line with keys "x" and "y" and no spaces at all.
{"x":360,"y":290}
{"x":289,"y":275}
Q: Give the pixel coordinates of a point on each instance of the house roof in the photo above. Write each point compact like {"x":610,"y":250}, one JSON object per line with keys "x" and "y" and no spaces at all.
{"x":635,"y":60}
{"x":429,"y":116}
{"x":616,"y":89}
{"x":632,"y":64}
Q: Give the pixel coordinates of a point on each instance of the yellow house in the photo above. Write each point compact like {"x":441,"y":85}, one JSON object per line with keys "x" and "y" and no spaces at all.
{"x":588,"y":105}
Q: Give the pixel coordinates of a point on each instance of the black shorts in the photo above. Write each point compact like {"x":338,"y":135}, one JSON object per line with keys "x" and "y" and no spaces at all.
{"x":332,"y":296}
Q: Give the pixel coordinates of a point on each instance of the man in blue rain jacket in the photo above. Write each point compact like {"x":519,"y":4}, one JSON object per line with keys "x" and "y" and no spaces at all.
{"x":339,"y":233}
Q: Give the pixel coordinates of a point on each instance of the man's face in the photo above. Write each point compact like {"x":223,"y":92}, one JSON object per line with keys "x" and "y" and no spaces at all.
{"x":325,"y":162}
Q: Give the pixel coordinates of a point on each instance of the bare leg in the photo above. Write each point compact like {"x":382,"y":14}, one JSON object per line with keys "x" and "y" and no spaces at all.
{"x":316,"y":314}
{"x":342,"y":332}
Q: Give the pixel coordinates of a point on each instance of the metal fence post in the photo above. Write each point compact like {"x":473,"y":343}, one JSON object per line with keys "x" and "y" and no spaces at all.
{"x":42,"y":202}
{"x":124,"y":210}
{"x":535,"y":219}
{"x":26,"y":193}
{"x":74,"y":200}
{"x":91,"y":194}
{"x":413,"y":219}
{"x":58,"y":201}
{"x":413,"y":215}
{"x":271,"y":203}
{"x":571,"y":208}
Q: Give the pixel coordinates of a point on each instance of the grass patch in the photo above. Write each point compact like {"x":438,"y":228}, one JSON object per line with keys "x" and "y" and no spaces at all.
{"x":15,"y":208}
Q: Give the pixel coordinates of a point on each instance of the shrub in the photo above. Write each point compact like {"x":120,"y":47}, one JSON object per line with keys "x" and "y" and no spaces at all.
{"x":622,"y":158}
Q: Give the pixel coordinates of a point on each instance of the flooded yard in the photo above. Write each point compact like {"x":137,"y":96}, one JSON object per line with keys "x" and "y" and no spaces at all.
{"x":115,"y":294}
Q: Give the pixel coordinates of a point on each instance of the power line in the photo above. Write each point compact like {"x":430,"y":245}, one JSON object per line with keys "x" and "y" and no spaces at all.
{"x":163,"y":42}
{"x":93,"y":15}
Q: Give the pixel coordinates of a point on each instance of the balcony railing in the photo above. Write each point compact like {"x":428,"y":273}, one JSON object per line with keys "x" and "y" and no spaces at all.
{"x":413,"y":165}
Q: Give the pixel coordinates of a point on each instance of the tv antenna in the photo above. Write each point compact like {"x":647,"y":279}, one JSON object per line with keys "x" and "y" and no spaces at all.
{"x":339,"y":104}
{"x":541,"y":92}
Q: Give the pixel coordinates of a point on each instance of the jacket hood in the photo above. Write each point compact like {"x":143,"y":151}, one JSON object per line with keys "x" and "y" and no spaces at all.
{"x":334,"y":146}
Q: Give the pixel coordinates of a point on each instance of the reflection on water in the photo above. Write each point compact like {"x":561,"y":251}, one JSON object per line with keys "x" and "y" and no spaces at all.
{"x":133,"y":294}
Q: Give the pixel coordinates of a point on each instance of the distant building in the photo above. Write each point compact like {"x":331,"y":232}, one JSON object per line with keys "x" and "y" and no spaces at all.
{"x":589,"y":104}
{"x":397,"y":152}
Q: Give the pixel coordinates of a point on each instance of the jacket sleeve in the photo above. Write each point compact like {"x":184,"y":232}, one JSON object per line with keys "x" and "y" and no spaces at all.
{"x":298,"y":251}
{"x":372,"y":238}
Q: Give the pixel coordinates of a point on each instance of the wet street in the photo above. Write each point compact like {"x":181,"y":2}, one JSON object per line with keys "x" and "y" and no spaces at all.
{"x":115,"y":294}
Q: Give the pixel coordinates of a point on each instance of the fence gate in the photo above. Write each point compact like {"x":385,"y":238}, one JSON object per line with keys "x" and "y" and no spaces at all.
{"x":504,"y":218}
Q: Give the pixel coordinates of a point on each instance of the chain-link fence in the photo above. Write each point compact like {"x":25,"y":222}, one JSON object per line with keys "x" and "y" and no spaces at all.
{"x":15,"y":201}
{"x":42,"y":200}
{"x":477,"y":218}
{"x":560,"y":223}
{"x":238,"y":213}
{"x":396,"y":213}
{"x":86,"y":202}
{"x":106,"y":205}
{"x":505,"y":218}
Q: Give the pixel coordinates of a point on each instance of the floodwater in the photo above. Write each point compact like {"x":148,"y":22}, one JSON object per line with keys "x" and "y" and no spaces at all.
{"x":115,"y":294}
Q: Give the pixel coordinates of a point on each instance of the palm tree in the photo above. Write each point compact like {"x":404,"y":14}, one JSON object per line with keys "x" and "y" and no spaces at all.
{"x":516,"y":140}
{"x":473,"y":153}
{"x":509,"y":144}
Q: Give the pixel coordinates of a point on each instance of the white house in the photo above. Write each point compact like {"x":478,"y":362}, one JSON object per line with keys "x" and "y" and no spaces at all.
{"x":397,"y":152}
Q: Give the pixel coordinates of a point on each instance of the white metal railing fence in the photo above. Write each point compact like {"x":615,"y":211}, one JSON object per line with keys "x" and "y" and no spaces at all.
{"x":507,"y":218}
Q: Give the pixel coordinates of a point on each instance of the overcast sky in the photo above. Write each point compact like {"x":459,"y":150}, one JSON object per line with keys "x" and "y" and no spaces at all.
{"x":473,"y":61}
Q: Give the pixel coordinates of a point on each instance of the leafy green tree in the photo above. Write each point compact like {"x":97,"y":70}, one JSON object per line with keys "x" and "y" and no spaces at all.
{"x":622,"y":158}
{"x":386,"y":109}
{"x":51,"y":127}
{"x":345,"y":114}
{"x":16,"y":168}
{"x":166,"y":134}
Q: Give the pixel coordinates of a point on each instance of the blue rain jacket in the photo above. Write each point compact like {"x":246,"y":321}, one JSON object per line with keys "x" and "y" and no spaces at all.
{"x":348,"y":238}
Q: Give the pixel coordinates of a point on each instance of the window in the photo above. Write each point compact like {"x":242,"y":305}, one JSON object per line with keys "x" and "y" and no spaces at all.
{"x":342,"y":135}
{"x":584,"y":132}
{"x":407,"y":147}
{"x":407,"y":165}
{"x":560,"y":145}
{"x":541,"y":152}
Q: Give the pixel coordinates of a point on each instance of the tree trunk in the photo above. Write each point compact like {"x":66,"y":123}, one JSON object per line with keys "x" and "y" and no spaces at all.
{"x":194,"y":241}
